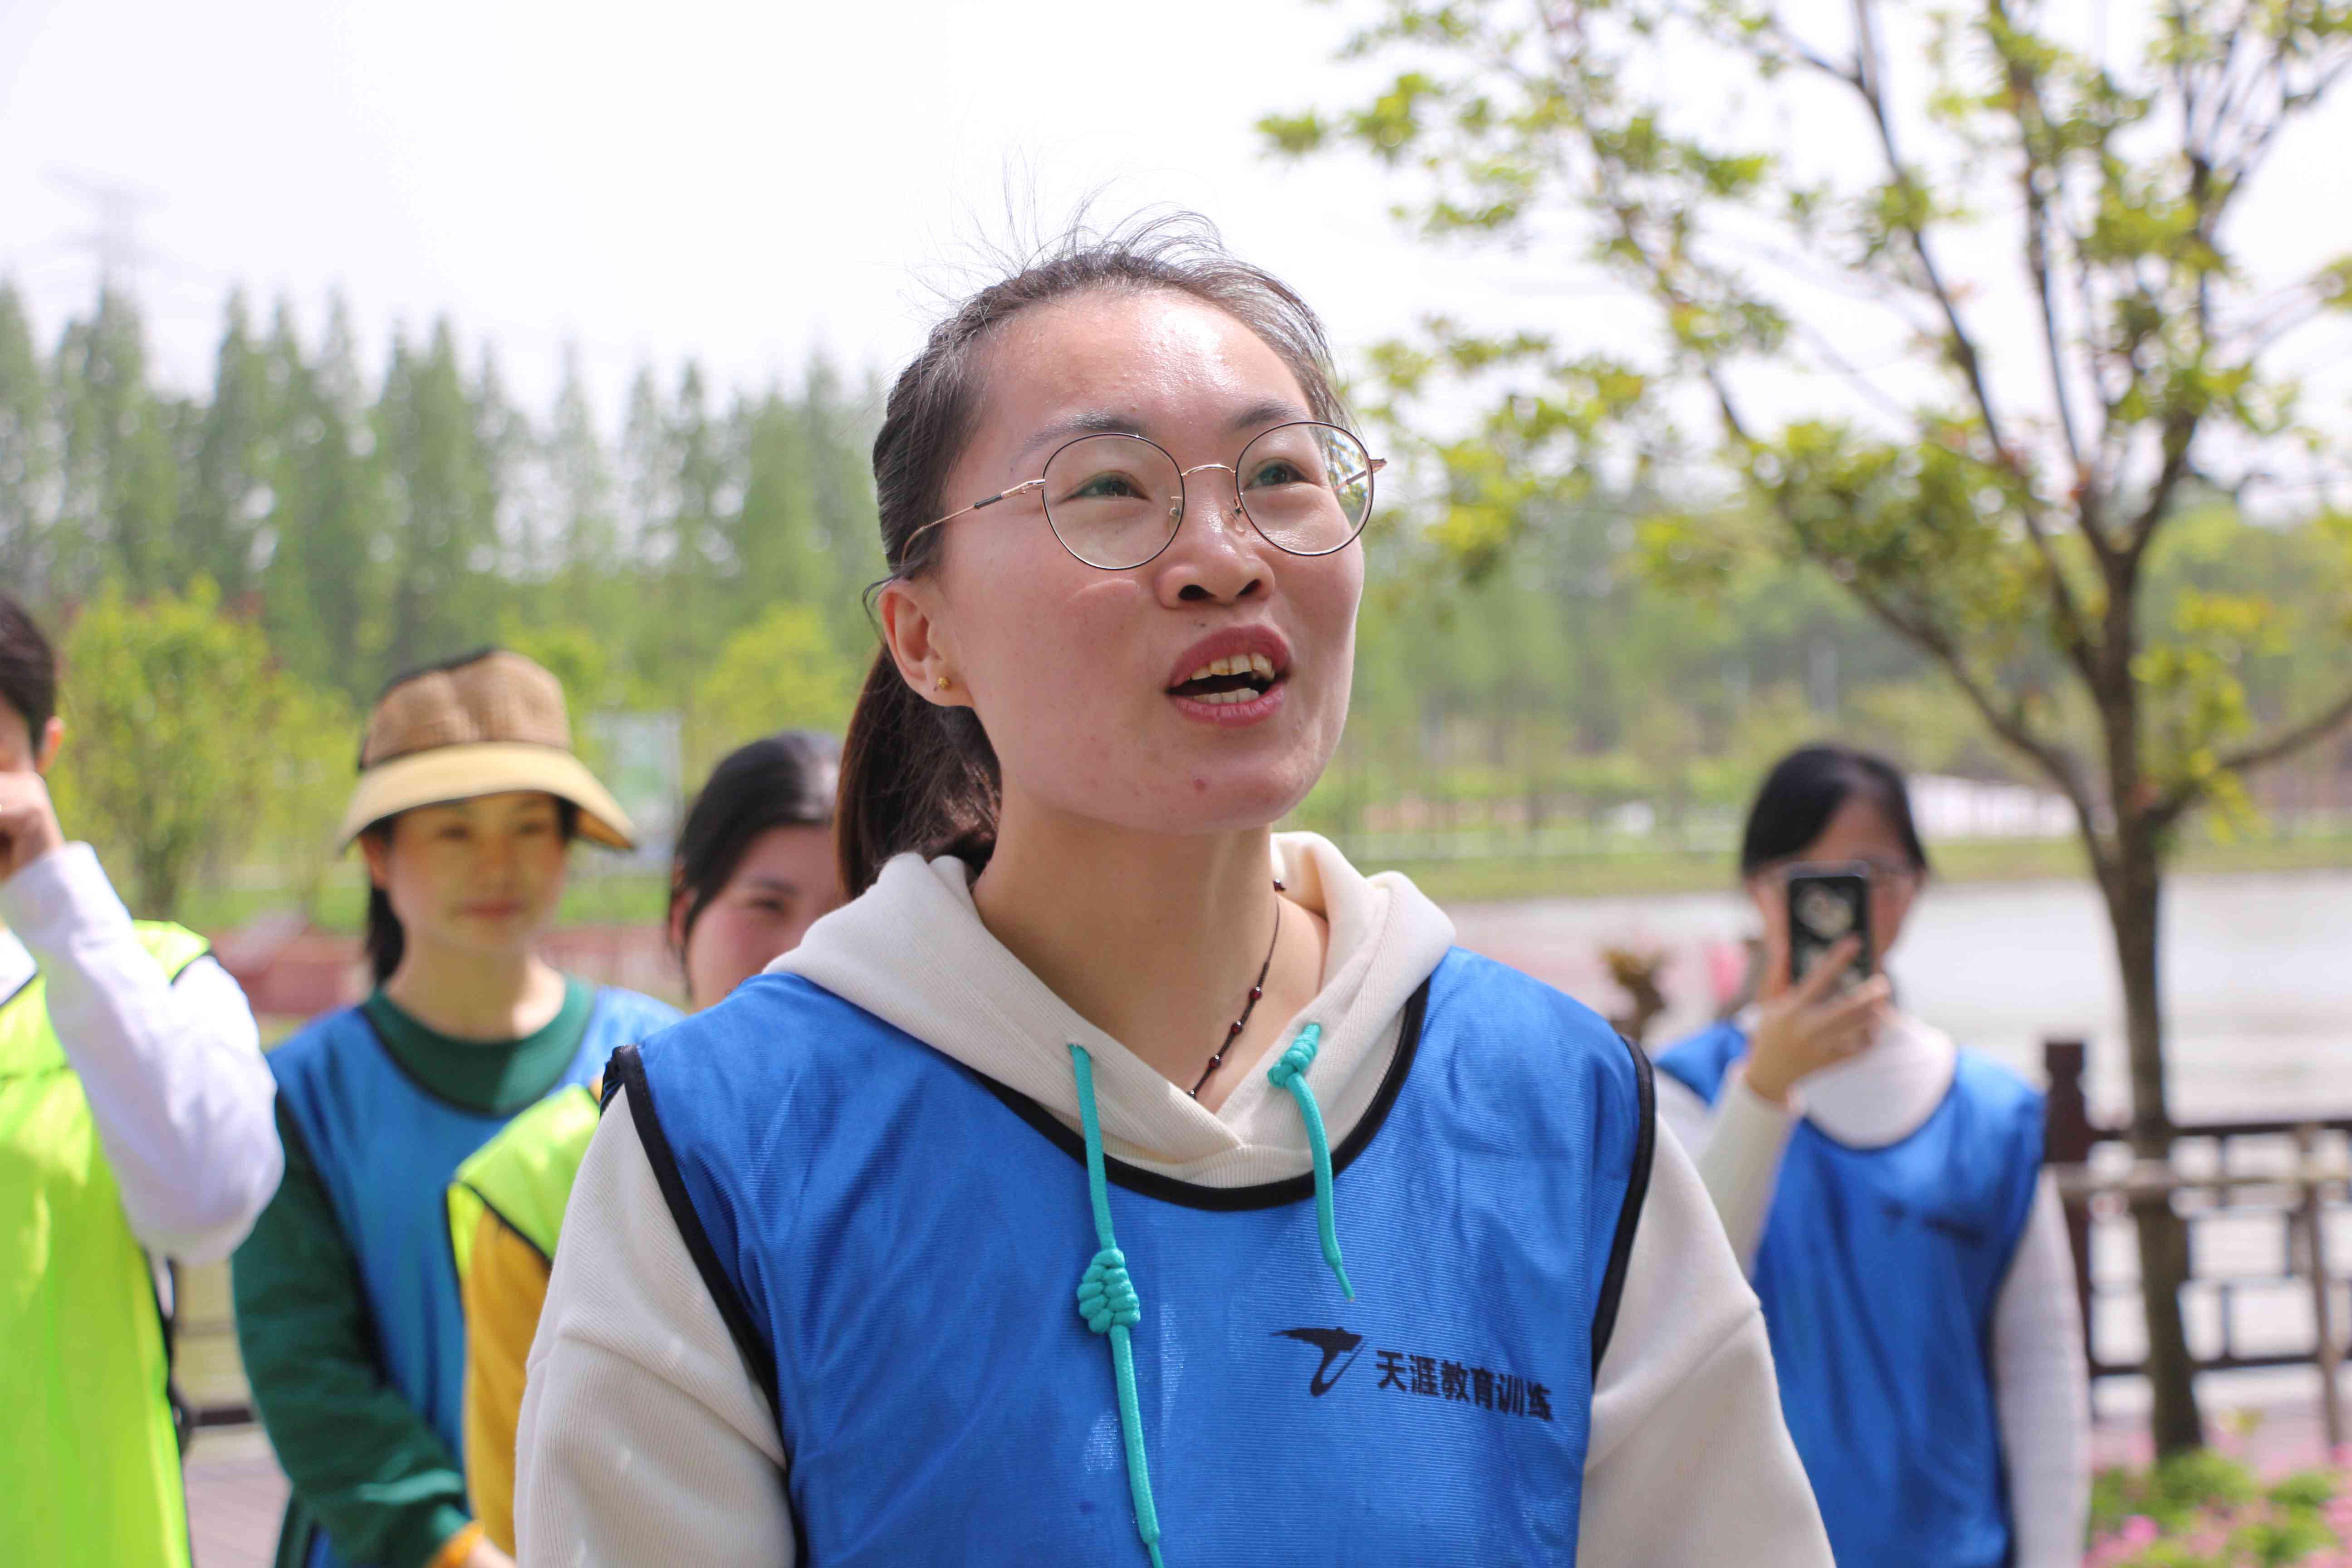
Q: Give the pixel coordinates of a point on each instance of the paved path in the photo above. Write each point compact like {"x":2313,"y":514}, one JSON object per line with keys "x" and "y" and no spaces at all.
{"x":236,"y":1496}
{"x":236,"y":1492}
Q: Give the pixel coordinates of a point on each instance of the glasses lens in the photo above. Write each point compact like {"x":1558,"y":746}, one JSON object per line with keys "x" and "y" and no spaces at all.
{"x":1113,"y":501}
{"x":1308,"y":488}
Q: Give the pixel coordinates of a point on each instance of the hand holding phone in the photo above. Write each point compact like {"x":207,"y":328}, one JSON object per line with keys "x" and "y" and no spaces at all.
{"x":1822,"y":1003}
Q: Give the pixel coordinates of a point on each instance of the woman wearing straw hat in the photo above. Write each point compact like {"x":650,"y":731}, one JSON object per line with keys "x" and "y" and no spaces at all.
{"x":347,"y":1301}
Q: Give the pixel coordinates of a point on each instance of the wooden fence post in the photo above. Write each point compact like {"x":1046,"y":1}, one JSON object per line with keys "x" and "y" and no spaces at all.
{"x":2067,"y":1136}
{"x":2312,"y":1222}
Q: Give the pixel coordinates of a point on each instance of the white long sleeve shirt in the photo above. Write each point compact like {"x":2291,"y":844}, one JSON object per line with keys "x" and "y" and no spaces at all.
{"x":2040,"y":1376}
{"x":643,"y":1437}
{"x":172,"y":1071}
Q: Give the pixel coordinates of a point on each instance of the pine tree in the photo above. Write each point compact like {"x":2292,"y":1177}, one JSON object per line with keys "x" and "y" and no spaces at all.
{"x":443,"y":533}
{"x":319,"y":580}
{"x":228,"y":495}
{"x":120,"y":476}
{"x":583,"y":583}
{"x":28,"y":452}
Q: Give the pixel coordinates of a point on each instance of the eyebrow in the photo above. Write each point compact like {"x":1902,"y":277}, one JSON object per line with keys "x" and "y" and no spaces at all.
{"x":774,"y":885}
{"x":1103,"y":422}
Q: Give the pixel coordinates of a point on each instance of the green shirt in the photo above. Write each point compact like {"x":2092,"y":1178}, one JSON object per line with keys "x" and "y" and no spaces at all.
{"x":370,"y":1469}
{"x":501,"y":1079}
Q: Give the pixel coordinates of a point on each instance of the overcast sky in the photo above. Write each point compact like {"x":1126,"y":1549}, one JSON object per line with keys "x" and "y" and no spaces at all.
{"x":736,"y":181}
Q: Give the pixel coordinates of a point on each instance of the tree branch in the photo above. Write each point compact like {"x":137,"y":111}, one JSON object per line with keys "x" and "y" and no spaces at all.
{"x":2007,"y":722}
{"x":2257,"y":753}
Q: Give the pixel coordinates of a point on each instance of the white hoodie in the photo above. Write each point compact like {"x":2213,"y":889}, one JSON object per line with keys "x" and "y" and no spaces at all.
{"x":2040,"y":1383}
{"x":644,"y":1438}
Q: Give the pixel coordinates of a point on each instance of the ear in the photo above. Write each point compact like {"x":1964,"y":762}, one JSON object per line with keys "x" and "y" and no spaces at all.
{"x":677,"y":922}
{"x":377,"y":848}
{"x":920,"y":642}
{"x":45,"y":750}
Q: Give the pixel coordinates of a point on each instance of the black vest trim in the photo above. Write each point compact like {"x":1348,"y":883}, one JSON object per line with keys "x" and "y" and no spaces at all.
{"x":1629,"y":1214}
{"x":1233,"y":1200}
{"x":627,"y":1070}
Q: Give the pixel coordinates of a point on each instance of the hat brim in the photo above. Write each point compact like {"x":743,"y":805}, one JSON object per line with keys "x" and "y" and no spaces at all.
{"x":448,"y":773}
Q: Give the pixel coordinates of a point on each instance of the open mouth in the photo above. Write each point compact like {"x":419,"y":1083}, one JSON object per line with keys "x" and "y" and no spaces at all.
{"x":1236,"y":677}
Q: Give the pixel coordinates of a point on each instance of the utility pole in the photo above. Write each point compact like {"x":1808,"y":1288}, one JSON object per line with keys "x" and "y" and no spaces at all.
{"x":112,"y":240}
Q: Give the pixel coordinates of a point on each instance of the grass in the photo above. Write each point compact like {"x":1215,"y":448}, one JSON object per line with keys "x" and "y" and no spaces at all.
{"x":637,"y":898}
{"x":1499,"y":877}
{"x":615,"y":898}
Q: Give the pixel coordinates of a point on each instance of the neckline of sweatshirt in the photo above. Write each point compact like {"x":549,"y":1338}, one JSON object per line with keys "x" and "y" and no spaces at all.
{"x":1884,"y":1095}
{"x":913,"y":952}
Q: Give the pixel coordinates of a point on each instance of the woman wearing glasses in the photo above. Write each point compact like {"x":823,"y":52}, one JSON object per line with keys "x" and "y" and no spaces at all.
{"x":1112,"y":1180}
{"x":1885,"y":1191}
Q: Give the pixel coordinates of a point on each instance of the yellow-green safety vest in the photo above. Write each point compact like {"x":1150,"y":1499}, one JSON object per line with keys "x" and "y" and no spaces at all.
{"x":523,"y":1175}
{"x":89,"y":1463}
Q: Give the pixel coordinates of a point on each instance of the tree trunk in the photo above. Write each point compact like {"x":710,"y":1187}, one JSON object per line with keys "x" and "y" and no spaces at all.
{"x":2135,"y":885}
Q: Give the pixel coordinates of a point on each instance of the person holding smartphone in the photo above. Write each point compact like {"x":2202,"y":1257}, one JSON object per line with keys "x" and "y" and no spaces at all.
{"x":135,"y":1131}
{"x":1885,"y":1191}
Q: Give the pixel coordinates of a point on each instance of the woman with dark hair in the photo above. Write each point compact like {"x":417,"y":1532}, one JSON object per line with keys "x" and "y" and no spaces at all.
{"x":347,"y":1306}
{"x":755,"y":867}
{"x":134,"y":1133}
{"x":1090,"y":1035}
{"x":1885,"y":1191}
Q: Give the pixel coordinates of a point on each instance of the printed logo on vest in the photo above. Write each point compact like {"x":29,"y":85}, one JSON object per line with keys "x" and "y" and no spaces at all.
{"x":1428,"y":1376}
{"x":1334,"y":1343}
{"x":1950,"y":1229}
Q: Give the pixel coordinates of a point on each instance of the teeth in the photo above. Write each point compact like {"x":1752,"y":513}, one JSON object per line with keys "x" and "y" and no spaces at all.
{"x":1255,"y":663}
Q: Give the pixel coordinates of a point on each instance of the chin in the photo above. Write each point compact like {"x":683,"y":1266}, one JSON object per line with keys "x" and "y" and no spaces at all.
{"x":1230,"y":799}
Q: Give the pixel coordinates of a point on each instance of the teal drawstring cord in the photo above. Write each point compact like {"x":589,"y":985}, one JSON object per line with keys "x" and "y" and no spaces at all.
{"x":1290,"y":1073}
{"x":1108,"y":1302}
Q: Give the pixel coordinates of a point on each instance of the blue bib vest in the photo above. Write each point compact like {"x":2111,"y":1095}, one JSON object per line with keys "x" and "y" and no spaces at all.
{"x":895,"y":1241}
{"x":1879,"y":1271}
{"x":385,"y":1148}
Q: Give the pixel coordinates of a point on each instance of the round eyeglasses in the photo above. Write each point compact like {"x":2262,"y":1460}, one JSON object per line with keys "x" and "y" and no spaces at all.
{"x":1116,"y":501}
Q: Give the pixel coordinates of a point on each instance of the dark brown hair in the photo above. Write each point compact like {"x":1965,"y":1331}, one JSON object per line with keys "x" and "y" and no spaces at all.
{"x":28,"y":669}
{"x":1806,"y":788}
{"x":923,"y":777}
{"x":784,"y":780}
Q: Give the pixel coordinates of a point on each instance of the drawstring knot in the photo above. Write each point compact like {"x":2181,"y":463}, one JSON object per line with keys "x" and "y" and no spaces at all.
{"x":1290,"y":1073}
{"x":1106,"y":1296}
{"x":1294,"y":1062}
{"x":1108,"y":1302}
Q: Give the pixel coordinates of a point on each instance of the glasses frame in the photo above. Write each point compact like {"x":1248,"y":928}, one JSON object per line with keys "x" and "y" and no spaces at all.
{"x":1183,"y":503}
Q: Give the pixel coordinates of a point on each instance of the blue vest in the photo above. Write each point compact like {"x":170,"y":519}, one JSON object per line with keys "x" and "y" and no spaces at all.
{"x":895,"y":1242}
{"x":385,"y":1147}
{"x":1879,"y":1271}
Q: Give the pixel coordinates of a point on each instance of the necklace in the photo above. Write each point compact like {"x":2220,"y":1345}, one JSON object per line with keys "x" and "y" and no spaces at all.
{"x":1249,"y":1007}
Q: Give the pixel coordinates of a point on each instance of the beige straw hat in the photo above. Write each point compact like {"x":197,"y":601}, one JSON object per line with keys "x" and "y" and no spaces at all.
{"x":485,"y":724}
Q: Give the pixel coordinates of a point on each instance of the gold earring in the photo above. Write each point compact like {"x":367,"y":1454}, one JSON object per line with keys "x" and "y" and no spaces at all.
{"x":942,"y":684}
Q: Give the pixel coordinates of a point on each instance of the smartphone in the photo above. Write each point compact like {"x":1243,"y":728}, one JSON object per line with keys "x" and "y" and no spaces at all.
{"x":1828,"y":903}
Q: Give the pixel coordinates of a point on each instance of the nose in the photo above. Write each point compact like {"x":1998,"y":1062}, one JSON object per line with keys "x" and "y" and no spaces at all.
{"x":1216,"y":556}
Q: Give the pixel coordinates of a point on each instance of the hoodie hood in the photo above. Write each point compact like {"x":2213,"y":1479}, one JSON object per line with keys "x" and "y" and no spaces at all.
{"x":912,"y":951}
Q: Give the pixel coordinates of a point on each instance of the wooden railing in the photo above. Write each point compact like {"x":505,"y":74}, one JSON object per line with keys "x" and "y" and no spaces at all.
{"x":2295,"y":1172}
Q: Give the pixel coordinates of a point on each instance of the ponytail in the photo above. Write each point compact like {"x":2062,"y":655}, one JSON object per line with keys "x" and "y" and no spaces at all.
{"x":386,"y":941}
{"x":919,"y":776}
{"x":914,"y":775}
